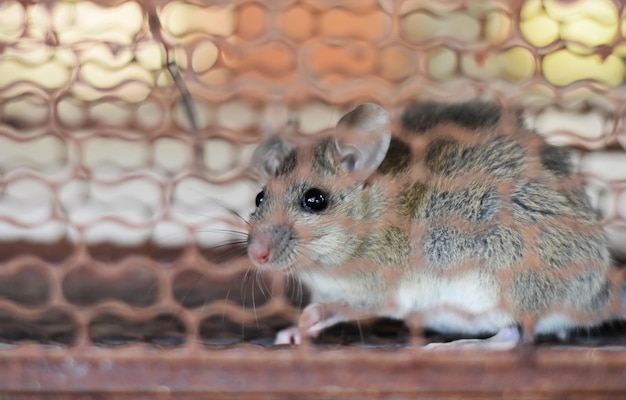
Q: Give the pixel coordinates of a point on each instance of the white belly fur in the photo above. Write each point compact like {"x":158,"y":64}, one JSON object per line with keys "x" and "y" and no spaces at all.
{"x":435,"y":299}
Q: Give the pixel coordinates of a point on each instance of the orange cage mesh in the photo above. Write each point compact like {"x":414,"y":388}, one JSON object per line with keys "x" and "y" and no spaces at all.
{"x":126,"y":128}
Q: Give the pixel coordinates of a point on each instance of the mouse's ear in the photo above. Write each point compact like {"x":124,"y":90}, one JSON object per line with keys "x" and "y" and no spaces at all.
{"x":362,"y":139}
{"x":269,"y":155}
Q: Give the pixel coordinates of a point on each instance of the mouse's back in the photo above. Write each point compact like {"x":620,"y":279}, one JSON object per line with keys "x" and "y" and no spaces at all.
{"x":499,"y":201}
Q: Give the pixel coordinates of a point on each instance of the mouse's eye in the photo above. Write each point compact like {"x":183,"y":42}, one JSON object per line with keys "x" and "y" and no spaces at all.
{"x":314,"y":200}
{"x":259,"y":198}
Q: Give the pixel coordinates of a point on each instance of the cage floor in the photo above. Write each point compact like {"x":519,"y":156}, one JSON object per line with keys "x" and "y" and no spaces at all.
{"x":250,"y":372}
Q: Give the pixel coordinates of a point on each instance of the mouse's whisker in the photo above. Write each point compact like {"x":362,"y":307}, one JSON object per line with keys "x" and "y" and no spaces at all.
{"x":231,"y":254}
{"x":227,"y":251}
{"x":226,"y":243}
{"x":300,"y":291}
{"x":214,"y":201}
{"x":260,"y":281}
{"x":325,"y":270}
{"x":227,"y":231}
{"x":253,"y":294}
{"x":226,"y":300}
{"x":361,"y":335}
{"x":243,"y":293}
{"x":183,"y":299}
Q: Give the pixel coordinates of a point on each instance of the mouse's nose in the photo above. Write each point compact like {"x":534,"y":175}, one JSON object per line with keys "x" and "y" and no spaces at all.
{"x":259,"y":249}
{"x":271,"y":247}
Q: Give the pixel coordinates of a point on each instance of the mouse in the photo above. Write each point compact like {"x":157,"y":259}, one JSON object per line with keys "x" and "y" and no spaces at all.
{"x":454,"y":215}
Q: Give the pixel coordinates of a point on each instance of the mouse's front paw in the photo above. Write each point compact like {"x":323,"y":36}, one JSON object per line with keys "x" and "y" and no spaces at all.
{"x":310,"y":324}
{"x":314,"y":319}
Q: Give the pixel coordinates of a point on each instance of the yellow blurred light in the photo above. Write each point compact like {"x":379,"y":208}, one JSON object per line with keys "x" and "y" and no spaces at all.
{"x":582,"y":26}
{"x":11,"y":21}
{"x":85,"y":21}
{"x":540,"y":30}
{"x":563,"y":67}
{"x":602,"y":11}
{"x":182,"y":19}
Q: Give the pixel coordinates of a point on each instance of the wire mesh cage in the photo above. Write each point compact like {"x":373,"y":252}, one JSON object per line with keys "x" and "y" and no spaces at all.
{"x":126,"y":131}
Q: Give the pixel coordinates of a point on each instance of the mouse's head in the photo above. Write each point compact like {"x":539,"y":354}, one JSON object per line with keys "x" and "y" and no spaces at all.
{"x":312,"y":191}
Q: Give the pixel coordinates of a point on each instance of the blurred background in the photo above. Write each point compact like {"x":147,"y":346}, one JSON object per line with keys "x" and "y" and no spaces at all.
{"x":126,"y":128}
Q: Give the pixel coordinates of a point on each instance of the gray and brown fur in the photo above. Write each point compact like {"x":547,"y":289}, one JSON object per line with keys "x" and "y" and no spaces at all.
{"x":466,"y":200}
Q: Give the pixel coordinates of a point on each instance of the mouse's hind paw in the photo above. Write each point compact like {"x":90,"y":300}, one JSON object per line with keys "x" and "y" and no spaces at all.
{"x":506,"y":339}
{"x":288,"y":336}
